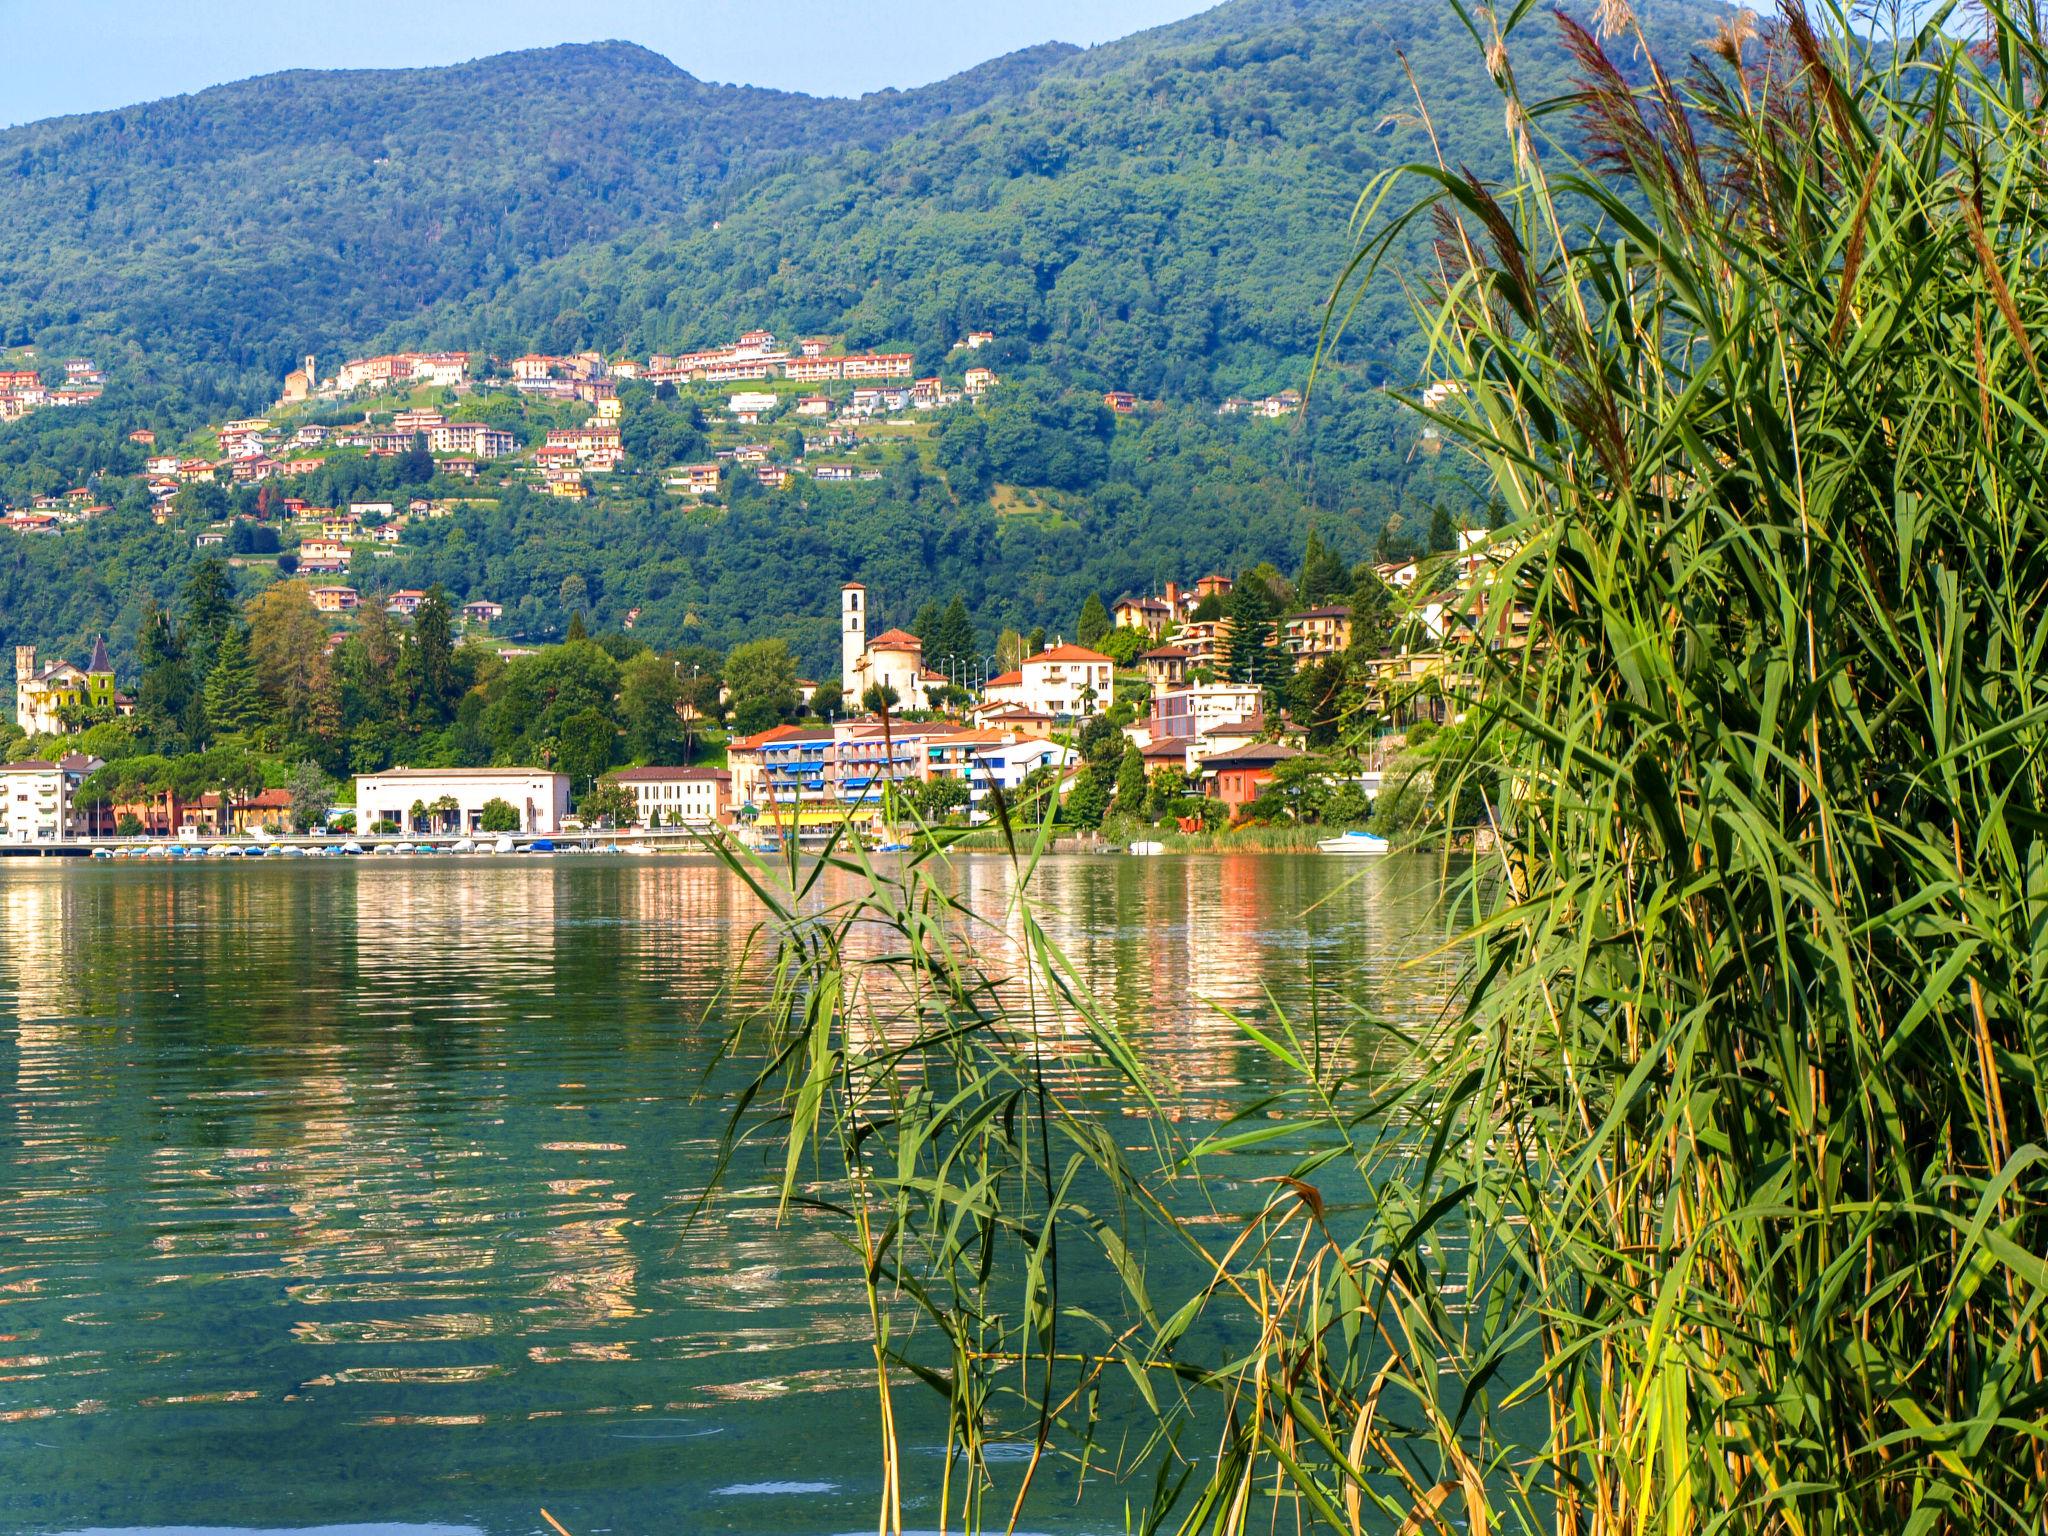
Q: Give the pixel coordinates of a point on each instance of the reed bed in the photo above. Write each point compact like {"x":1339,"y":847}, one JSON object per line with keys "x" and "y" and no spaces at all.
{"x":1719,"y":1204}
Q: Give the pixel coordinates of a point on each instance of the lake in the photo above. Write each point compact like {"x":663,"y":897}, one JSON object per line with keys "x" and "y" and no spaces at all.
{"x":349,"y":1193}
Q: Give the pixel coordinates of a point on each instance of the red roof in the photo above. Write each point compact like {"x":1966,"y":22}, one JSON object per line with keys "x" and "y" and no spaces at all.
{"x":678,"y":775}
{"x":1005,"y":680}
{"x":895,"y":640}
{"x":773,"y":733}
{"x":1070,"y":653}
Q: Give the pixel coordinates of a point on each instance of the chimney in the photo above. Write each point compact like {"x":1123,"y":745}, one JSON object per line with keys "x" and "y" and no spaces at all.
{"x":1173,"y":596}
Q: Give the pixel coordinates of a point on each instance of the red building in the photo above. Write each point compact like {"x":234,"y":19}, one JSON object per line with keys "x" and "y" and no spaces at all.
{"x":1242,"y":772}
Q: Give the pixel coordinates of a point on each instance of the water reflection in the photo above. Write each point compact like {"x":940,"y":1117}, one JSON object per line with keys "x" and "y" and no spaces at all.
{"x":368,"y":1181}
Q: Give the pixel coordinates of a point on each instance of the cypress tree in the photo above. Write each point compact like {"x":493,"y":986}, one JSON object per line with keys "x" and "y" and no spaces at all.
{"x":1094,"y":622}
{"x":1130,"y":782}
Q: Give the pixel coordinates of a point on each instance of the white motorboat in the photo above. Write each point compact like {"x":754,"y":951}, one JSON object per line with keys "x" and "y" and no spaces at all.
{"x":1148,"y":849}
{"x":502,"y":845}
{"x":464,"y":845}
{"x":1356,"y":844}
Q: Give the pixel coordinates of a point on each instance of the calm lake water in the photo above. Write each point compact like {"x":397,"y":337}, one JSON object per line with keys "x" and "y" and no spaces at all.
{"x":346,"y":1194}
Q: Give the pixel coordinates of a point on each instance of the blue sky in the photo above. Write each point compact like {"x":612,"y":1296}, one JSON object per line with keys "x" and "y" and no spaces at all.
{"x":85,"y":55}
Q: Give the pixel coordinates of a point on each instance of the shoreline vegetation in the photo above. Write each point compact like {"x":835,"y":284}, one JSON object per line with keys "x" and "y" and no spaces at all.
{"x":1717,"y":1204}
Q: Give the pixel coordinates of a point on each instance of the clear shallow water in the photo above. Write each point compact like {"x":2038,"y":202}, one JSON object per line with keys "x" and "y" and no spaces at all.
{"x":349,"y":1194}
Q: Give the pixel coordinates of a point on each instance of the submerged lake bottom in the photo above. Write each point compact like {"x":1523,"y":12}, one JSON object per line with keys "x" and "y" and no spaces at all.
{"x":352,"y":1196}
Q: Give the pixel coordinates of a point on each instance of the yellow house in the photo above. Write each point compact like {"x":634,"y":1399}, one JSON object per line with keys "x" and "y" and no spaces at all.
{"x":41,"y":695}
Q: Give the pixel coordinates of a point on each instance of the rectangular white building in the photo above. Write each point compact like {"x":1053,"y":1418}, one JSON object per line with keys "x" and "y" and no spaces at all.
{"x":1068,"y":680}
{"x":671,"y":797}
{"x":540,"y":798}
{"x":35,"y":799}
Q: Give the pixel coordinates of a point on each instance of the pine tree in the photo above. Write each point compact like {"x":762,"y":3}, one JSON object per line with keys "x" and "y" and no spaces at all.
{"x":956,"y":642}
{"x":1443,"y":534}
{"x":163,"y":695}
{"x":1323,"y":576}
{"x":1094,"y":622}
{"x":578,"y":630}
{"x":926,"y":628}
{"x":433,"y":646}
{"x":234,"y":697}
{"x":1248,"y":654}
{"x":209,"y":612}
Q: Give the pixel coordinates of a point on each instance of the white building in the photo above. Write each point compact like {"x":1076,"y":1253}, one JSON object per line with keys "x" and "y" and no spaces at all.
{"x":1199,"y":708}
{"x":670,"y":797}
{"x":540,"y":798}
{"x":893,"y":659}
{"x":1064,"y":681}
{"x":1006,"y":767}
{"x":35,"y":799}
{"x":752,"y":402}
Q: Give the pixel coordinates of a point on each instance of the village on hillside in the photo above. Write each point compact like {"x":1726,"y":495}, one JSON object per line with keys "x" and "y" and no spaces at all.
{"x":550,"y":422}
{"x":1200,"y":705}
{"x":1184,"y":703}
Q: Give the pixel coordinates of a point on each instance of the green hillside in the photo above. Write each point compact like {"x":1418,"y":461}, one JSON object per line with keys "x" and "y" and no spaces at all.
{"x":1164,"y":214}
{"x":305,"y":211}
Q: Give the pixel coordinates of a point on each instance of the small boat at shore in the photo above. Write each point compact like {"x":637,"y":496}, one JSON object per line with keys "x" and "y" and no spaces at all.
{"x":1146,"y":848}
{"x":1356,"y":845}
{"x":502,"y":845}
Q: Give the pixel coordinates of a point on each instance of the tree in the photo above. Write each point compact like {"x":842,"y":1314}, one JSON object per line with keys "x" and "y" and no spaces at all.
{"x":937,"y":798}
{"x":577,"y":629}
{"x":1087,"y":799}
{"x":761,"y":678}
{"x":1372,"y":613}
{"x":234,"y":696}
{"x":926,"y":628}
{"x":1100,"y":743}
{"x":288,"y":643}
{"x":209,"y":611}
{"x":1323,"y":577}
{"x":415,"y":465}
{"x":609,"y":802}
{"x":498,"y":816}
{"x":1443,"y":534}
{"x":430,"y":661}
{"x":312,"y":796}
{"x":1124,"y":646}
{"x":587,"y":742}
{"x":650,"y":709}
{"x":955,"y":644}
{"x":1249,"y":654}
{"x":1094,"y":621}
{"x":164,"y":695}
{"x":1130,"y":782}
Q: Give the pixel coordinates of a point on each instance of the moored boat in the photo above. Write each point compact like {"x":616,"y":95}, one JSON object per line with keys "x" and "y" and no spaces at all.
{"x":1356,"y":844}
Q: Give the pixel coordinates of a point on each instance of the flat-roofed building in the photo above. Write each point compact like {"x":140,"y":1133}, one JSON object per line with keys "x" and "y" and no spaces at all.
{"x":449,"y":800}
{"x":680,"y":797}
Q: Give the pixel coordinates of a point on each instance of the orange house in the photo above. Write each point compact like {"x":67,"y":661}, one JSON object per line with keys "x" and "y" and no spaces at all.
{"x":1242,"y":772}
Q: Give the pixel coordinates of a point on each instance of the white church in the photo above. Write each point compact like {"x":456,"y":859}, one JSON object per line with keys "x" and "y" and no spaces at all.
{"x":894,"y":658}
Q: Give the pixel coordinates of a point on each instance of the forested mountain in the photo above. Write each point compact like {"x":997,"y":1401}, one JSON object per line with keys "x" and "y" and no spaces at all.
{"x":1163,"y":214}
{"x":303,"y":211}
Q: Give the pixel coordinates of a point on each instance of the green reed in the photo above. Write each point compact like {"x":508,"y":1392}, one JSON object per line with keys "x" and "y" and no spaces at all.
{"x":1720,"y":1204}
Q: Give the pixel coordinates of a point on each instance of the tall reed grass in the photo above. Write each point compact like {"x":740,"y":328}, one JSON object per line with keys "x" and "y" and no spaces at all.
{"x":1720,"y":1205}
